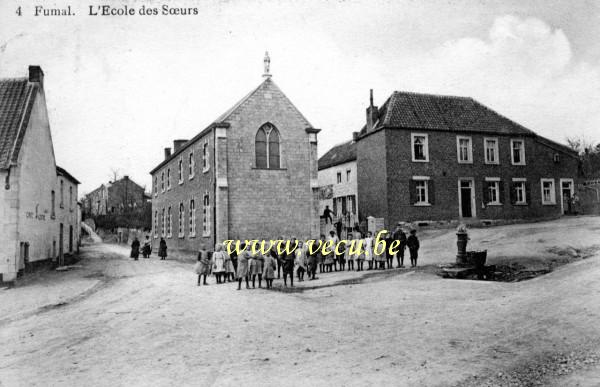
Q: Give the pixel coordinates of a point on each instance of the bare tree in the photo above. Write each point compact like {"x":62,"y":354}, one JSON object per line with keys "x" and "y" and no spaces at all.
{"x":114,"y":174}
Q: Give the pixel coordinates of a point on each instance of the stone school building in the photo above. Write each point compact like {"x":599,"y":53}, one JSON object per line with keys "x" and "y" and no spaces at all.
{"x":424,"y":157}
{"x":252,"y":173}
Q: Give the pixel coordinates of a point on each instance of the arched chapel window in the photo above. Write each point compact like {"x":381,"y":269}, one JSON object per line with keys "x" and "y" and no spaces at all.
{"x":267,"y":147}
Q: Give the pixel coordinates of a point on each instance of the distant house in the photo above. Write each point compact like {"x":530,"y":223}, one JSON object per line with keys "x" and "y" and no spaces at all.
{"x":38,"y":200}
{"x":115,"y":197}
{"x":252,"y":173}
{"x":432,"y":157}
{"x":338,"y":185}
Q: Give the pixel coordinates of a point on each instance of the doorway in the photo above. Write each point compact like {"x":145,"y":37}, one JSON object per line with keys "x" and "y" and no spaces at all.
{"x":70,"y":239}
{"x":466,"y":198}
{"x":567,"y":189}
{"x":23,"y":256}
{"x":61,"y":245}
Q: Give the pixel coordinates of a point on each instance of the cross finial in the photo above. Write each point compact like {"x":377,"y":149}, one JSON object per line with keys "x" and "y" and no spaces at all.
{"x":267,"y":62}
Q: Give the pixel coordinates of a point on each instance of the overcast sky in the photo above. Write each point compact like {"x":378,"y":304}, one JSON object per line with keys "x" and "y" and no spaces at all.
{"x":120,"y":89}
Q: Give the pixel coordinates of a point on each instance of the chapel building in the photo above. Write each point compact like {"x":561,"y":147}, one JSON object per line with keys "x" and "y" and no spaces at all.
{"x":250,"y":174}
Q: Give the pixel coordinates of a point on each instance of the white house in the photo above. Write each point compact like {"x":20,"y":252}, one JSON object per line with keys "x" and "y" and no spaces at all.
{"x":338,"y":186}
{"x":38,"y":200}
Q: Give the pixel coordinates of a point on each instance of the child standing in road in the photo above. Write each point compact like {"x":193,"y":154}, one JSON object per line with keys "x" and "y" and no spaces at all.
{"x":202,"y":267}
{"x":300,"y":262}
{"x":369,"y":249}
{"x":242,"y":270}
{"x":350,"y":257}
{"x":269,"y":269}
{"x":412,"y":242}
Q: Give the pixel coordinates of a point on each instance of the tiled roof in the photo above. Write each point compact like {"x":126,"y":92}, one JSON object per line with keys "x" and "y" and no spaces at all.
{"x":337,"y":155}
{"x":447,"y":113}
{"x":16,"y":101}
{"x":63,"y":172}
{"x":221,"y":121}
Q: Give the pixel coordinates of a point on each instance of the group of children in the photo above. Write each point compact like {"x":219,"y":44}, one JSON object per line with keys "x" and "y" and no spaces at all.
{"x":248,"y":266}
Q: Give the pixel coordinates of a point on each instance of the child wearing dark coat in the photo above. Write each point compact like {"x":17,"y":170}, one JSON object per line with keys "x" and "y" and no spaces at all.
{"x":412,"y":242}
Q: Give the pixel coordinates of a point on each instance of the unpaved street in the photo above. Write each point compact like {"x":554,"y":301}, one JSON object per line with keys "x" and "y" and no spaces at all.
{"x":147,"y":323}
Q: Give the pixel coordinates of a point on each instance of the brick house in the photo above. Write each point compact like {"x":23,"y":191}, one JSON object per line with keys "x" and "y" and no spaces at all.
{"x":252,"y":173}
{"x":338,"y":186}
{"x":115,"y":197}
{"x":38,"y":200}
{"x":431,"y":157}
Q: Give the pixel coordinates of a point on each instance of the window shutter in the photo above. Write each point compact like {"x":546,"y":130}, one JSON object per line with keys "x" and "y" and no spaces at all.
{"x":412,"y":190}
{"x":431,"y":192}
{"x":501,"y":193}
{"x":527,"y":192}
{"x":513,"y":193}
{"x":486,"y":192}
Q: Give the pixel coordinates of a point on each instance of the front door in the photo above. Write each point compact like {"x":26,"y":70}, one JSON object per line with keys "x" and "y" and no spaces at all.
{"x":566,"y":193}
{"x":61,"y":245}
{"x":466,"y":198}
{"x":70,"y":239}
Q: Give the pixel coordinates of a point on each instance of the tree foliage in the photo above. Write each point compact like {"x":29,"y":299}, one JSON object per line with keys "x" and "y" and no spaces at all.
{"x":589,"y":155}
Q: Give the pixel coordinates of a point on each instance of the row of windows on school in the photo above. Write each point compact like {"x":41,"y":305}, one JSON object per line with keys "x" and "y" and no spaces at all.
{"x":422,"y":192}
{"x":464,"y":149}
{"x":267,"y":154}
{"x":186,"y":218}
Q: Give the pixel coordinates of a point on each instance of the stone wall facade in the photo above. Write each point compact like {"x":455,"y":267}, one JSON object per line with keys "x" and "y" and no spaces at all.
{"x":245,"y":201}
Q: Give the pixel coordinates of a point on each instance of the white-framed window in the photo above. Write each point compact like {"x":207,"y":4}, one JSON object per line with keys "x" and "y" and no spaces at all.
{"x":348,"y":174}
{"x":192,"y":218}
{"x":421,"y":195}
{"x":492,"y":194}
{"x":169,"y":222}
{"x":162,"y":181}
{"x":419,"y":147}
{"x":520,"y":190}
{"x":548,"y":191}
{"x":156,"y":224}
{"x":163,"y":219}
{"x":181,"y":220}
{"x":205,"y":163}
{"x":339,"y":178}
{"x":464,"y":149}
{"x":155,"y":186}
{"x":206,"y":215}
{"x":168,"y":178}
{"x":180,"y":169}
{"x":490,"y":148}
{"x":517,"y":152}
{"x":192,"y":165}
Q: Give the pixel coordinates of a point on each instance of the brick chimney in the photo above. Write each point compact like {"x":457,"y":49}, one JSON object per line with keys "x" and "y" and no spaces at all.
{"x":36,"y":74}
{"x":167,"y":153}
{"x":372,"y":113}
{"x":177,"y":144}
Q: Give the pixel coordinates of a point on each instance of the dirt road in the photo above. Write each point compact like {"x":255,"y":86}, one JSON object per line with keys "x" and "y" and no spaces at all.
{"x":147,"y":323}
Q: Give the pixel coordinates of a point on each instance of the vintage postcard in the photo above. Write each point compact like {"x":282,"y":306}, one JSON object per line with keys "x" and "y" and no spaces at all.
{"x":299,"y":193}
